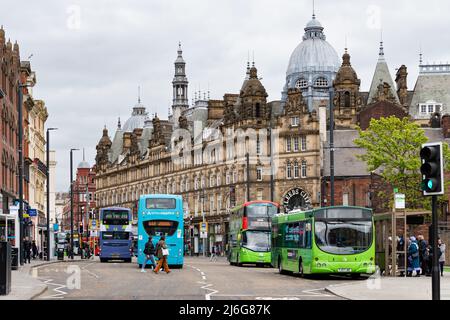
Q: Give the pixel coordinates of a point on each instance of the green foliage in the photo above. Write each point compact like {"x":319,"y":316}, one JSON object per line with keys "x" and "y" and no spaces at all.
{"x":393,"y":146}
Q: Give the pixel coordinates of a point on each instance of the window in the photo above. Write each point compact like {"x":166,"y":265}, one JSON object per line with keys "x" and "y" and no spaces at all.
{"x":301,"y":83}
{"x":211,"y":181}
{"x":303,"y":143}
{"x":347,"y":99}
{"x":423,"y":108}
{"x":219,"y":180}
{"x":288,"y":144}
{"x":228,"y":178}
{"x":437,"y":108}
{"x":296,"y":171}
{"x":295,"y":121}
{"x":321,"y":82}
{"x":234,"y":177}
{"x":160,"y":203}
{"x":258,"y":110}
{"x":303,"y":169}
{"x":259,"y":174}
{"x":288,"y":171}
{"x":430,"y":108}
{"x":295,"y":144}
{"x":259,"y":195}
{"x":345,"y":199}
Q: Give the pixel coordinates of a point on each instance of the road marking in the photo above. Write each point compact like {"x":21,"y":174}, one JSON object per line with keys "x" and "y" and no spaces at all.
{"x":59,"y":295}
{"x":206,"y":285}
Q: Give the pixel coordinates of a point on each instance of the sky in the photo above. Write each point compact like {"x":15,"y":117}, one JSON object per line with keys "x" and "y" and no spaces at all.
{"x":91,"y":56}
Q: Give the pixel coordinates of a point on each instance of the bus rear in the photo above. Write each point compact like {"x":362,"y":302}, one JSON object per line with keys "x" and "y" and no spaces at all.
{"x":161,"y":215}
{"x":115,"y":234}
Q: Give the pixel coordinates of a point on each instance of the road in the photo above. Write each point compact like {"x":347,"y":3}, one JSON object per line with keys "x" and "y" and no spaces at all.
{"x":200,"y":279}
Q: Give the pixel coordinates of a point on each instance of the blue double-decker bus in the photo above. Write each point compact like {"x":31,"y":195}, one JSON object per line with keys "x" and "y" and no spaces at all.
{"x":115,"y":238}
{"x":161,"y":215}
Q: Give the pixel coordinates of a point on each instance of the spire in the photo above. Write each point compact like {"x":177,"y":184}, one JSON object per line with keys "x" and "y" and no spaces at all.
{"x":420,"y":56}
{"x":314,"y":11}
{"x":119,"y":126}
{"x":83,"y":156}
{"x":139,"y":94}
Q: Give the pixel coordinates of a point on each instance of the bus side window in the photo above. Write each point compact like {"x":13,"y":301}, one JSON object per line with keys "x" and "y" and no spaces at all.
{"x":301,"y":235}
{"x":308,"y":234}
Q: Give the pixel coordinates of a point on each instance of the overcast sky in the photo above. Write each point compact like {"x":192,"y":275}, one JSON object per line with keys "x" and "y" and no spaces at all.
{"x":90,"y":56}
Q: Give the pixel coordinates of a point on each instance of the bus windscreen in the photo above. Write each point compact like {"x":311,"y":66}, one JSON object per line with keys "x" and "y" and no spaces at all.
{"x":262,"y":211}
{"x":160,"y":227}
{"x":115,"y":217}
{"x":115,"y":235}
{"x":160,"y":203}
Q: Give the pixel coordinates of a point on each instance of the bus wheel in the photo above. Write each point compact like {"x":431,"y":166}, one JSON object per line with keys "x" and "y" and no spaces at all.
{"x":238,"y":262}
{"x":300,"y":268}
{"x":280,"y":268}
{"x":127,"y":260}
{"x":103,"y":260}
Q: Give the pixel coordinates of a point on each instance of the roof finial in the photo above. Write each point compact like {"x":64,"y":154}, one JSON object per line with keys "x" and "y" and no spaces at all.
{"x":420,"y":56}
{"x":83,"y":156}
{"x":346,"y":44}
{"x":314,"y":10}
{"x":139,"y":94}
{"x":253,"y":64}
{"x":119,"y":126}
{"x":381,"y":45}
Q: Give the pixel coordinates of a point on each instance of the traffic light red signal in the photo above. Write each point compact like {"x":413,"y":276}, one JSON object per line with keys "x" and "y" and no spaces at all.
{"x":432,"y":169}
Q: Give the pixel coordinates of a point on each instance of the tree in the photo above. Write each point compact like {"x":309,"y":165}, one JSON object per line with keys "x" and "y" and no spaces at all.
{"x":393,"y":145}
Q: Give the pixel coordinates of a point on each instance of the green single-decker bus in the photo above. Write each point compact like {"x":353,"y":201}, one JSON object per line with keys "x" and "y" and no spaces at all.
{"x":327,"y":240}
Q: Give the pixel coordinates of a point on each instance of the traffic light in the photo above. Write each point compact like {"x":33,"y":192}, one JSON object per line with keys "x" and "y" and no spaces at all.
{"x":432,"y":169}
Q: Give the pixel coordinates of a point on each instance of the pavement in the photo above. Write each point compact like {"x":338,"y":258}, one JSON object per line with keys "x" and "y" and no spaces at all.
{"x":25,"y":285}
{"x":389,"y":288}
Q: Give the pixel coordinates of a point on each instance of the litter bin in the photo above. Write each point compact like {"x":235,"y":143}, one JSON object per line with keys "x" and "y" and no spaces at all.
{"x":60,"y":254}
{"x":14,"y":258}
{"x":5,"y":268}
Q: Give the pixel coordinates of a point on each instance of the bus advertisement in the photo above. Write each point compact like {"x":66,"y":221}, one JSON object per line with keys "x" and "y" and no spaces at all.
{"x":249,"y":234}
{"x":161,"y":215}
{"x":115,"y":234}
{"x":329,"y":240}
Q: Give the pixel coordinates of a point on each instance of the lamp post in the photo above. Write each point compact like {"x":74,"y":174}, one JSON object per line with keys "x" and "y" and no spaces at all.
{"x":48,"y":191}
{"x":71,"y":201}
{"x":202,"y":196}
{"x":331,"y":147}
{"x":20,"y":86}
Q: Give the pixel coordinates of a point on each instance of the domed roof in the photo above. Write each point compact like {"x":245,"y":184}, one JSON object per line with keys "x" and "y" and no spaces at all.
{"x":137,"y":119}
{"x":314,"y":53}
{"x":252,"y":86}
{"x":84,"y":165}
{"x":346,"y":73}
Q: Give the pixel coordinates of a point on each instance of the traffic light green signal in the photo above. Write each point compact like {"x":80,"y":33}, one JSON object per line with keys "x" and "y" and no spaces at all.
{"x":432,"y":169}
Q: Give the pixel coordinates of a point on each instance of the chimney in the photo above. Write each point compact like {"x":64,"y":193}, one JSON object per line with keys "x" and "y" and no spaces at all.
{"x":126,"y":141}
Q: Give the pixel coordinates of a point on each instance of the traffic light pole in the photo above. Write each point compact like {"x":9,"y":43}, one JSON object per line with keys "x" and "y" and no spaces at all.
{"x":435,"y":280}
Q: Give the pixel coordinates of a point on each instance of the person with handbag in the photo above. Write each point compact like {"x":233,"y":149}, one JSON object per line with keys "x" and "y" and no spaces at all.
{"x":162,"y":253}
{"x":149,"y":252}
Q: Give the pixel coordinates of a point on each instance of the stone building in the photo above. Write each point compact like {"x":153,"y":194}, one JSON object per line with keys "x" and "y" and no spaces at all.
{"x":224,"y":152}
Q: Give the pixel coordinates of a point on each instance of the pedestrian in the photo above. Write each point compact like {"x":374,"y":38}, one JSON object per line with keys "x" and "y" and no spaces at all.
{"x":34,"y":249}
{"x":213,"y":254}
{"x":27,"y":250}
{"x":401,"y":256}
{"x":413,"y":257}
{"x":149,"y":252}
{"x":423,"y":254}
{"x":162,"y":254}
{"x":442,"y":255}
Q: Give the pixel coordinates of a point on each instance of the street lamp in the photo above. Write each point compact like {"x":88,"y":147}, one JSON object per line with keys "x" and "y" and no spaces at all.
{"x":202,"y":196}
{"x":20,"y":86}
{"x":71,"y":201}
{"x":48,"y":191}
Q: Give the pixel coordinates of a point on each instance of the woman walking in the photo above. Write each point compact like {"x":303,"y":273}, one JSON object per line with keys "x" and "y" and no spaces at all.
{"x":162,"y":254}
{"x":413,"y":256}
{"x":441,"y":256}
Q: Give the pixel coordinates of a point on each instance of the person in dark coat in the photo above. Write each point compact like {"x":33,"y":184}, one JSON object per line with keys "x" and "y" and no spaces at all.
{"x":423,"y":254}
{"x":27,"y":250}
{"x":401,"y":256}
{"x":149,"y":252}
{"x":34,"y":249}
{"x":413,"y":257}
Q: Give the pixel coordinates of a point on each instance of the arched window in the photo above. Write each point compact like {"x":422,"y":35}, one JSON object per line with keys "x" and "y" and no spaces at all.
{"x":303,"y":169}
{"x":321,"y":82}
{"x":296,"y":171}
{"x":347,"y":99}
{"x":301,"y":83}
{"x":288,"y":170}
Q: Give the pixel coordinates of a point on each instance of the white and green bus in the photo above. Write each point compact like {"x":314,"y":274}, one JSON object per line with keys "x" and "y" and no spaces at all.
{"x":329,"y":240}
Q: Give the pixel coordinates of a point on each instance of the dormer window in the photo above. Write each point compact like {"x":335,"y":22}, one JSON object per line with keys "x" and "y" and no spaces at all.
{"x":429,"y":108}
{"x":301,"y":83}
{"x":321,"y":82}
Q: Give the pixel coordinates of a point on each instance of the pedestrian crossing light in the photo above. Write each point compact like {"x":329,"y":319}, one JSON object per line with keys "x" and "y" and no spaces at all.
{"x":432,"y":169}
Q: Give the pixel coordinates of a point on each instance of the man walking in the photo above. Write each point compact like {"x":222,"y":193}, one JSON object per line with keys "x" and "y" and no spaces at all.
{"x":149,"y":252}
{"x":27,"y":250}
{"x":423,"y":254}
{"x":34,"y":249}
{"x":213,"y":253}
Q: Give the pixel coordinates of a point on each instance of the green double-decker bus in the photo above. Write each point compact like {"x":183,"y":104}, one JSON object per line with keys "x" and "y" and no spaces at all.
{"x":249,"y":235}
{"x":329,"y":240}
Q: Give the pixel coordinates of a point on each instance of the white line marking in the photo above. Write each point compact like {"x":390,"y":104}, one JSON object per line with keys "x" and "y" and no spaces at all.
{"x":204,"y":278}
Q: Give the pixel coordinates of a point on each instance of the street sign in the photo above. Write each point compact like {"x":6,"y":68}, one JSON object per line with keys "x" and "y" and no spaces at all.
{"x":399,"y":201}
{"x":395,"y":190}
{"x":203,"y":230}
{"x":32,"y":212}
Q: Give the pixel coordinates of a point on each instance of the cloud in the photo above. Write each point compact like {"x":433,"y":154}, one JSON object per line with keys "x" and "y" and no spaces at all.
{"x":89,"y":75}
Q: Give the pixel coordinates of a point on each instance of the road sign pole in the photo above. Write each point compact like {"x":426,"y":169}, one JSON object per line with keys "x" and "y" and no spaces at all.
{"x":435,"y":280}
